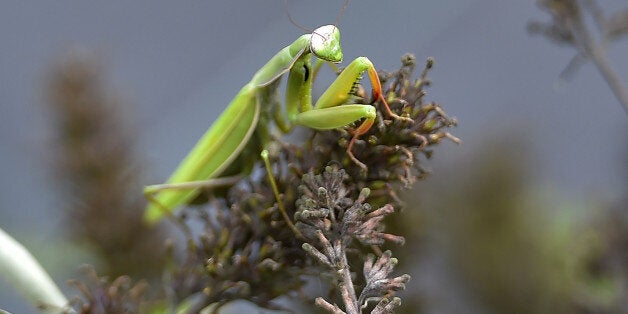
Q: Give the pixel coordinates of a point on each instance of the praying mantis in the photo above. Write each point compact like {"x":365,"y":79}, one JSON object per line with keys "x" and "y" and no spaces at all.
{"x":245,"y":119}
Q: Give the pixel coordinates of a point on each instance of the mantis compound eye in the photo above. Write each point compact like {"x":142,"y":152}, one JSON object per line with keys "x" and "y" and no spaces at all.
{"x":325,"y":43}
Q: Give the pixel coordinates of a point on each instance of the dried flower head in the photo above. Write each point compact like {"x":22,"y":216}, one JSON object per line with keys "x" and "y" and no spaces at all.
{"x":245,"y":249}
{"x":100,"y":296}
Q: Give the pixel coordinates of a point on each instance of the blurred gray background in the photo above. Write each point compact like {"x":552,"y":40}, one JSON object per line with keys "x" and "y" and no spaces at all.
{"x":179,"y":64}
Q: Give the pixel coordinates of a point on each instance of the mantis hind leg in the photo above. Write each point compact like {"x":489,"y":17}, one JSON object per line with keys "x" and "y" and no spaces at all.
{"x":273,"y":184}
{"x":151,"y":190}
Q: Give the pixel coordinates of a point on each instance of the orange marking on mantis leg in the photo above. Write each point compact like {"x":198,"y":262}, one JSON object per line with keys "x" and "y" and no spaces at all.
{"x":377,"y":94}
{"x":363,"y":128}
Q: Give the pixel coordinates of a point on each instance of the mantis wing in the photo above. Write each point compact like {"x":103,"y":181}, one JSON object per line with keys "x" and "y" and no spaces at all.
{"x":213,"y":153}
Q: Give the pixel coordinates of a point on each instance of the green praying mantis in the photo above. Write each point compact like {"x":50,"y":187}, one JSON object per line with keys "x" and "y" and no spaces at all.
{"x":245,"y":120}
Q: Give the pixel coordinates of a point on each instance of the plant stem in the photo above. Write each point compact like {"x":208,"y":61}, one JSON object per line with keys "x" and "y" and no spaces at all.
{"x":348,"y":291}
{"x":597,"y":53}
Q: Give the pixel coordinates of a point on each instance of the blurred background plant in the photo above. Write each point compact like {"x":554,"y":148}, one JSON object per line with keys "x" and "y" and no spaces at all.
{"x":98,"y":168}
{"x":509,"y":247}
{"x":572,"y":21}
{"x":530,"y":219}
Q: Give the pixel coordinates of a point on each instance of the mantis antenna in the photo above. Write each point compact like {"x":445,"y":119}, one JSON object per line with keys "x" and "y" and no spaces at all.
{"x":344,"y":6}
{"x":342,"y":10}
{"x":293,"y":21}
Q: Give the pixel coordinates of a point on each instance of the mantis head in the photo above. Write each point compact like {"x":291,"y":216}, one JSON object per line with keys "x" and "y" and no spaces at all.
{"x":325,"y":43}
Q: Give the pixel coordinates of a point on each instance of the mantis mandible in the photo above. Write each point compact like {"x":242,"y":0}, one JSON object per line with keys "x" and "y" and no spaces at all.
{"x":244,"y":118}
